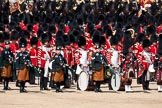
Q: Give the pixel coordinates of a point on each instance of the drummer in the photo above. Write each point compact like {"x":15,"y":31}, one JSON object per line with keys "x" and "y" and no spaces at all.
{"x":98,"y":62}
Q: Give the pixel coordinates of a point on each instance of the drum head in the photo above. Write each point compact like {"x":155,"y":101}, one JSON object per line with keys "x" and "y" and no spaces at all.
{"x":116,"y":82}
{"x":83,"y":81}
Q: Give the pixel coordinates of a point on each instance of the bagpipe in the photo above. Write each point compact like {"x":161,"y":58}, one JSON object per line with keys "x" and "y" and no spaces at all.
{"x":158,"y":68}
{"x":147,"y":57}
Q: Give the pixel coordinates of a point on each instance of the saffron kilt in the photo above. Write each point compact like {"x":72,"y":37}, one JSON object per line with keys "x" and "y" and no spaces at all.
{"x":58,"y":76}
{"x":99,"y":75}
{"x":6,"y":71}
{"x":23,"y":75}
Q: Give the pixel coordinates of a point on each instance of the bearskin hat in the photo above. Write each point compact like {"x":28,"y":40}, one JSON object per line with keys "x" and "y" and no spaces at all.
{"x":160,"y":44}
{"x":81,"y":41}
{"x":6,"y":36}
{"x":45,"y":38}
{"x":14,"y":35}
{"x":140,"y":37}
{"x":96,"y":39}
{"x":25,"y":34}
{"x":90,"y":18}
{"x":39,"y":33}
{"x":33,"y":41}
{"x":109,"y":32}
{"x":59,"y":38}
{"x":52,"y":29}
{"x":102,"y":40}
{"x":22,"y":42}
{"x":72,"y":38}
{"x":30,"y":28}
{"x":45,"y":27}
{"x":80,"y":21}
{"x":114,"y":40}
{"x":66,"y":40}
{"x":151,"y":30}
{"x":154,"y":38}
{"x":146,"y":43}
{"x":127,"y":42}
{"x":90,"y":27}
{"x":1,"y":38}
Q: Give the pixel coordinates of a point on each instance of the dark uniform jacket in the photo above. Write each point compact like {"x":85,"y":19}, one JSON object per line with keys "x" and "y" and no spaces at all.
{"x":22,"y":60}
{"x":6,"y":57}
{"x":98,"y":59}
{"x":58,"y":62}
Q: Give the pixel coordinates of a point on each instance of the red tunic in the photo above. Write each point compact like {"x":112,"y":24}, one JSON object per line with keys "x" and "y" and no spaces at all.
{"x":33,"y":55}
{"x":41,"y":57}
{"x":35,"y":28}
{"x":68,"y":55}
{"x":144,"y":2}
{"x":77,"y":56}
{"x":159,"y":29}
{"x":153,"y":50}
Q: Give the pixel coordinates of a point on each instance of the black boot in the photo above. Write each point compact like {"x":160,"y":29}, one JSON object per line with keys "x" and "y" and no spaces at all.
{"x":4,"y":85}
{"x":24,"y":87}
{"x":45,"y":83}
{"x":99,"y":90}
{"x":144,"y":86}
{"x":110,"y":87}
{"x":21,"y":87}
{"x":7,"y":83}
{"x":147,"y":85}
{"x":96,"y":87}
{"x":57,"y":87}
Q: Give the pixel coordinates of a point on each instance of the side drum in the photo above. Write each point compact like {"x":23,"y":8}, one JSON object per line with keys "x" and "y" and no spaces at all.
{"x":83,"y":81}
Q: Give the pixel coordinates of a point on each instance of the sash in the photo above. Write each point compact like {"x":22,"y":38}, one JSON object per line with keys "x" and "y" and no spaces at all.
{"x":151,"y":66}
{"x":47,"y":57}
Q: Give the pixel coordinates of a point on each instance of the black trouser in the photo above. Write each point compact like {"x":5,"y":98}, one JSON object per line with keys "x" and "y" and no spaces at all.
{"x":58,"y":86}
{"x":43,"y":80}
{"x":51,"y":82}
{"x":5,"y":83}
{"x":97,"y":85}
{"x":22,"y":86}
{"x":32,"y":76}
{"x":145,"y":83}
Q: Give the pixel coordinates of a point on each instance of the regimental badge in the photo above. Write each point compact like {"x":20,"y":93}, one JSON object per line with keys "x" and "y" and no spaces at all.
{"x":20,"y":54}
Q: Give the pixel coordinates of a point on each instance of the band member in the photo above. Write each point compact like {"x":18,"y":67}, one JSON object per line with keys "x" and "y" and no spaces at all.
{"x":58,"y":68}
{"x":7,"y":60}
{"x":81,"y":56}
{"x":68,"y":53}
{"x":44,"y":57}
{"x":14,"y":48}
{"x":23,"y":62}
{"x":33,"y":55}
{"x":98,"y":62}
{"x":145,"y":63}
{"x":128,"y":62}
{"x":113,"y":53}
{"x":153,"y":50}
{"x":1,"y":49}
{"x":158,"y":64}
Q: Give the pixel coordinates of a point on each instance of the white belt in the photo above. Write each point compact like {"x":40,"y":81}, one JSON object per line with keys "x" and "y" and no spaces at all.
{"x":33,"y":57}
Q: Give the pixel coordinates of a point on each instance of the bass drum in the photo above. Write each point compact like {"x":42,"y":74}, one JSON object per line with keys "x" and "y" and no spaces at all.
{"x":117,"y":82}
{"x":83,"y":81}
